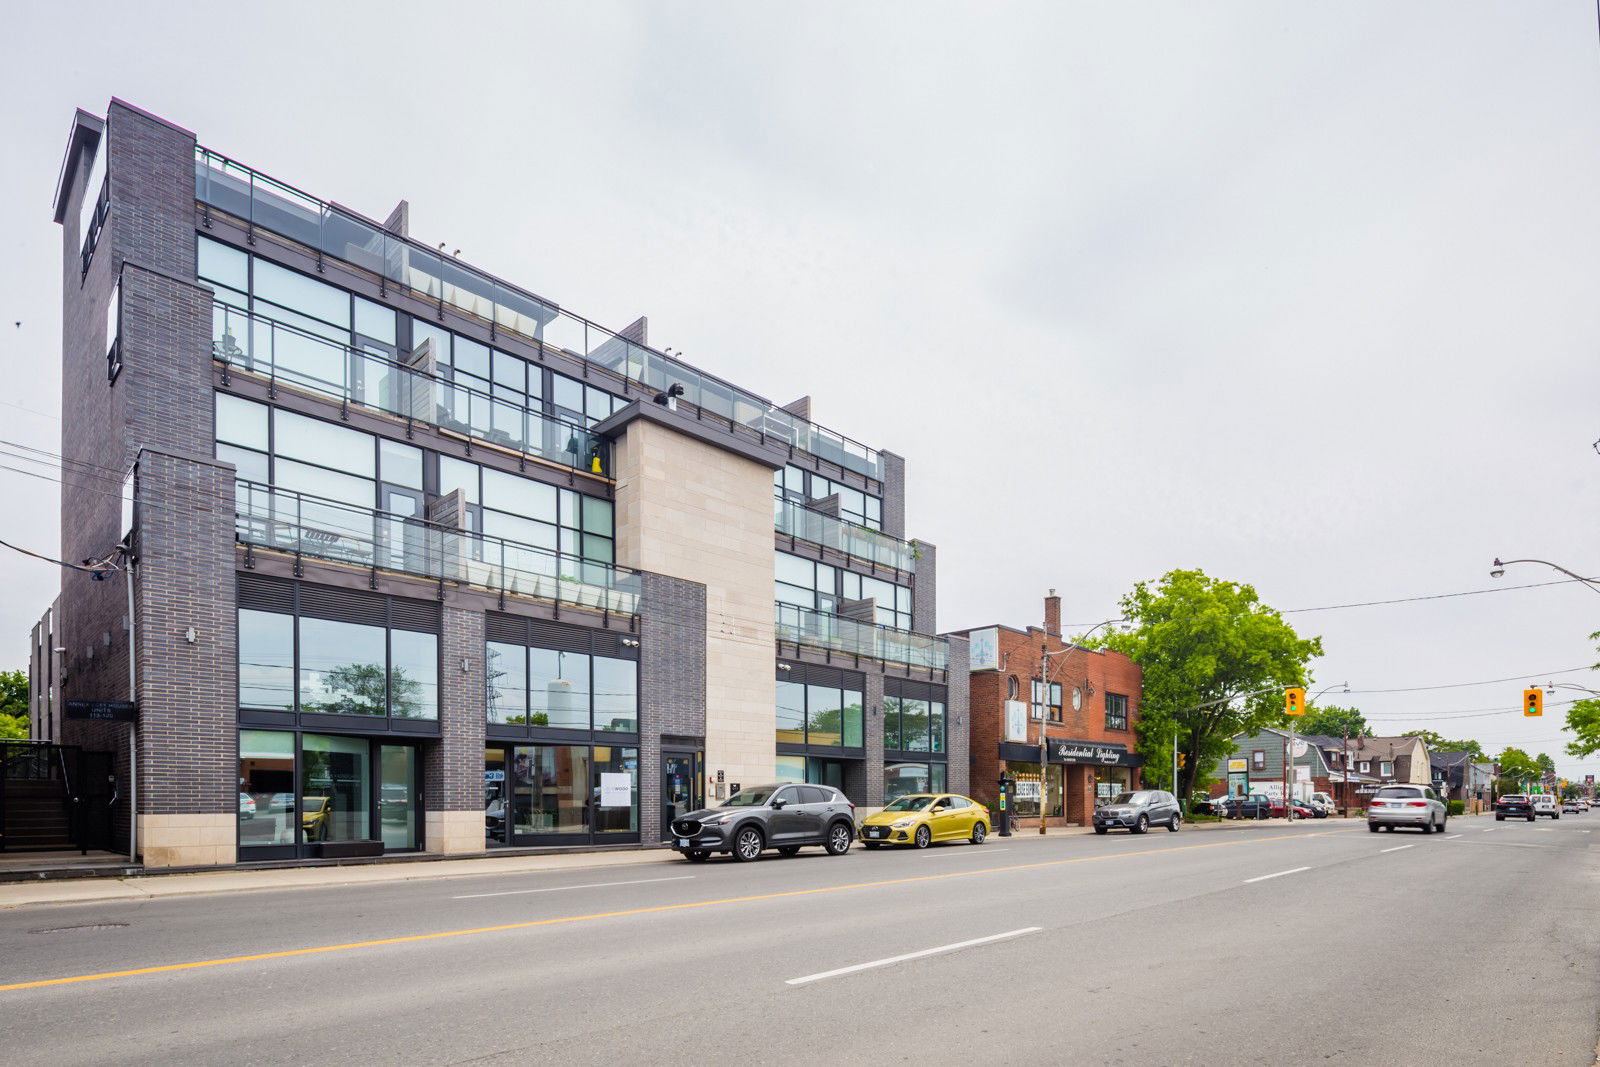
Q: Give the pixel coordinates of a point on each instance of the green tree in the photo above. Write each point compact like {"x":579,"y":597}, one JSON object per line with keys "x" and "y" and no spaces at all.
{"x":1583,"y":721}
{"x":1215,"y":659}
{"x":1517,"y":768}
{"x":359,"y":689}
{"x":1331,"y":720}
{"x":13,"y":705}
{"x":1547,"y":766}
{"x":1436,"y":743}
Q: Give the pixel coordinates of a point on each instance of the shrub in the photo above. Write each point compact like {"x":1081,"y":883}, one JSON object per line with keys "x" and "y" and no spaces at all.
{"x":1458,"y":807}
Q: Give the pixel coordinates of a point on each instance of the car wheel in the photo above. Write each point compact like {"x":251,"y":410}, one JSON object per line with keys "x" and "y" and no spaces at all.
{"x":1142,"y":826}
{"x":1100,"y":829}
{"x":697,"y":855}
{"x":1499,"y":818}
{"x":923,"y":837}
{"x":838,"y":842}
{"x":1390,"y":829}
{"x":747,"y":844}
{"x":1172,"y":826}
{"x":979,"y":832}
{"x":1428,"y":827}
{"x":1372,"y":826}
{"x":789,"y":850}
{"x":1530,"y":818}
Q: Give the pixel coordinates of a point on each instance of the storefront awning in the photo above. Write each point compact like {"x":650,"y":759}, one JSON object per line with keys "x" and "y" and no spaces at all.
{"x":1093,"y":753}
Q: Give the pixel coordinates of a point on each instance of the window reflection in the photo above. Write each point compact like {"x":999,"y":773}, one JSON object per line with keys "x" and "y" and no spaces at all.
{"x":266,"y":660}
{"x":266,"y":788}
{"x":335,"y":788}
{"x":342,"y":668}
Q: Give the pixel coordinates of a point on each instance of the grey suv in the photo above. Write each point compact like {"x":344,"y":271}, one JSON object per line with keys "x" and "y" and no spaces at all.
{"x":786,"y":817}
{"x":1407,"y":805}
{"x":1138,"y":811}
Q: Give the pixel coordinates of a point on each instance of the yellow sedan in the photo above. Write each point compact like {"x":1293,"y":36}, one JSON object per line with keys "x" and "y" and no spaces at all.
{"x":920,"y":819}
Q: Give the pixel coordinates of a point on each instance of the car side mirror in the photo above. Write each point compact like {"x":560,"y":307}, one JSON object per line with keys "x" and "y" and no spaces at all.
{"x":777,"y":804}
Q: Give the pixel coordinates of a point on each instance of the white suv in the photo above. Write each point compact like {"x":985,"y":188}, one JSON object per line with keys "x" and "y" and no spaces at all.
{"x":1545,"y":804}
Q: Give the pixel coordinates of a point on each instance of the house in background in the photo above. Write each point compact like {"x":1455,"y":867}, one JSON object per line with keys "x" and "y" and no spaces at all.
{"x":1457,"y":777}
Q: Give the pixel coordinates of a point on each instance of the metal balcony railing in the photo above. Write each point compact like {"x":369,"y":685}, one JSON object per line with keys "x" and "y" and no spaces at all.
{"x":817,"y":629}
{"x":253,"y":343}
{"x":858,"y":542}
{"x":288,"y":521}
{"x":261,"y":201}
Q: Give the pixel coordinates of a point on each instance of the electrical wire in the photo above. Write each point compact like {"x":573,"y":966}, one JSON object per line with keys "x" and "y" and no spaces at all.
{"x":103,"y":568}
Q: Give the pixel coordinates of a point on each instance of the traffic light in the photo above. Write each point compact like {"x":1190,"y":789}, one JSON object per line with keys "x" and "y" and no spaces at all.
{"x":1532,"y":702}
{"x":1294,"y":701}
{"x":1183,"y":760}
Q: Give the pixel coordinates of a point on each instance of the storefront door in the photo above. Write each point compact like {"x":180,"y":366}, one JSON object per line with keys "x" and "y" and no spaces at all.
{"x":681,"y":790}
{"x":397,"y":796}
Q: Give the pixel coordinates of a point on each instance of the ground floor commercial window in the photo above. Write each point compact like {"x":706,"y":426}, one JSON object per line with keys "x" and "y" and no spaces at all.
{"x":1109,"y":781}
{"x":813,"y":769}
{"x":1026,"y":777}
{"x":902,"y":778}
{"x":299,"y":791}
{"x":560,"y":794}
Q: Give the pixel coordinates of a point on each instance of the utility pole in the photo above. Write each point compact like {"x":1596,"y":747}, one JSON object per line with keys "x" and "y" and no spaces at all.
{"x":1044,"y":741}
{"x":1345,"y":748}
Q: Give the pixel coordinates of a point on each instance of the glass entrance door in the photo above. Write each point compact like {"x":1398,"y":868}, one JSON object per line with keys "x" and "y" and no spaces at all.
{"x":397,"y":796}
{"x":401,"y":534}
{"x":681,"y":789}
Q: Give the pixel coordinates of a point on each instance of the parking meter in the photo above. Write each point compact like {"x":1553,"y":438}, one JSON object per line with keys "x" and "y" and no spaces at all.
{"x":1005,"y":806}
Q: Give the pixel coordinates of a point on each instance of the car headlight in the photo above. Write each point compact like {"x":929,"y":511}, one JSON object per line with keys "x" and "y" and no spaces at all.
{"x":901,"y":825}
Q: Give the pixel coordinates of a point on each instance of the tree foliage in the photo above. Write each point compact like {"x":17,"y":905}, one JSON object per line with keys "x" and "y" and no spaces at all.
{"x":1436,"y":743}
{"x":367,"y":689}
{"x":13,"y":705}
{"x":1583,"y":720}
{"x":1215,"y":660}
{"x":1517,"y":768}
{"x":1547,"y":766}
{"x":1330,"y":720}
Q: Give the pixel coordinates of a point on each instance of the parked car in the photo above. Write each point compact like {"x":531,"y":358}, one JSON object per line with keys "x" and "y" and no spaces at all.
{"x":247,"y":806}
{"x":1323,"y":803}
{"x":1407,"y":805}
{"x":786,"y":817}
{"x":1138,"y":812}
{"x":920,"y":819}
{"x":1514,"y":805}
{"x":314,"y":818}
{"x":1254,"y":806}
{"x":1302,"y":810}
{"x":1571,"y":806}
{"x":1545,"y":804}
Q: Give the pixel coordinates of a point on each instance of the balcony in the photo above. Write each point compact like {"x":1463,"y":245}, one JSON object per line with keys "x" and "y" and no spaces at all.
{"x":287,"y":521}
{"x":857,"y":542}
{"x":260,"y":201}
{"x":834,"y":633}
{"x":285,"y":355}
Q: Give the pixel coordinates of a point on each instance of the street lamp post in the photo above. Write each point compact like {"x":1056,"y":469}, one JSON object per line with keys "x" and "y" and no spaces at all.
{"x":1499,"y":569}
{"x":1044,"y":713}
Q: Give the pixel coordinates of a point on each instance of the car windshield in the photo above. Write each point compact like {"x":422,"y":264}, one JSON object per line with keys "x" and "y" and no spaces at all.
{"x":1394,"y":791}
{"x":750,"y":798}
{"x":1513,"y":798}
{"x":909,"y":804}
{"x":1132,"y":798}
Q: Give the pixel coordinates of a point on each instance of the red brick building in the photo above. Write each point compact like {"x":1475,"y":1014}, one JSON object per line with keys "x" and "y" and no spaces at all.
{"x":1090,"y":710}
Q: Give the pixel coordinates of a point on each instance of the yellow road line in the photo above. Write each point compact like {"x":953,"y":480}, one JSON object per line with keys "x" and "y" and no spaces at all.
{"x":529,"y":924}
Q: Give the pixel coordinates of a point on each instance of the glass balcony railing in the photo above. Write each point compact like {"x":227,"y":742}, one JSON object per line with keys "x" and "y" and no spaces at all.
{"x":857,"y":542}
{"x":326,"y":529}
{"x":263,"y":202}
{"x":284,"y":354}
{"x":816,"y":629}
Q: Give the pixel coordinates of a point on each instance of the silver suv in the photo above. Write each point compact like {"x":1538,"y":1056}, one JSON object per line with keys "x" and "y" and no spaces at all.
{"x":1407,"y":805}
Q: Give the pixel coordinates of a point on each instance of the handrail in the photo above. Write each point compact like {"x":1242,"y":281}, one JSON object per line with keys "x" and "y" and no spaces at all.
{"x":835,"y":633}
{"x":257,"y":199}
{"x":366,"y":379}
{"x":799,"y":522}
{"x":305,"y":525}
{"x":74,"y":802}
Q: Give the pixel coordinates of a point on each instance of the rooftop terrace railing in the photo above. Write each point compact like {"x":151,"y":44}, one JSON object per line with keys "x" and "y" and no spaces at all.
{"x":858,"y":542}
{"x":264,"y":202}
{"x":288,"y":521}
{"x":242,"y":341}
{"x":817,"y":629}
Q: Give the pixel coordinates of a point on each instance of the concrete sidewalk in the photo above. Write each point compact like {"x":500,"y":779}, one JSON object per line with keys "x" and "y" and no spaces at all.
{"x":154,"y":886}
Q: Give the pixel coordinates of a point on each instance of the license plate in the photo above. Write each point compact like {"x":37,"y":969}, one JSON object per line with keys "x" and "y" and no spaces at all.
{"x":874,"y":833}
{"x":683,"y":842}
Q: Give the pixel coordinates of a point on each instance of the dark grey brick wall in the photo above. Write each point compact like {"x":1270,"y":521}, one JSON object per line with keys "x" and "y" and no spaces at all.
{"x":925,"y":590}
{"x":672,"y":682}
{"x":873,"y":793}
{"x":958,"y":717}
{"x":894,"y":494}
{"x":152,"y":191}
{"x":187,"y":691}
{"x":452,"y":767}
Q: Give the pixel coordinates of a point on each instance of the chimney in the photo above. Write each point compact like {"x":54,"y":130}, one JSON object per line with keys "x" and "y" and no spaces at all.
{"x":1052,"y":614}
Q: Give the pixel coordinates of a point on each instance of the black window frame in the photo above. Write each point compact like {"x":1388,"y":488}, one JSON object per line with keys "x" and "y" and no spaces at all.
{"x":543,"y":634}
{"x":807,"y":675}
{"x":1119,"y":720}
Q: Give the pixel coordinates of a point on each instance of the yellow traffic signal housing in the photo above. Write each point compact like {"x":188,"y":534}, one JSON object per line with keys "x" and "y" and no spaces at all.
{"x":1294,"y":701}
{"x":1532,"y":702}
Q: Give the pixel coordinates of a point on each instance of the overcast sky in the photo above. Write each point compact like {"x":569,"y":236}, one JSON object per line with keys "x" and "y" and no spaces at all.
{"x":1300,"y":294}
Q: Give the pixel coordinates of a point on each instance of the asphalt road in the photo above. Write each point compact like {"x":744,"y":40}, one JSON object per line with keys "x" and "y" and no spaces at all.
{"x":1262,"y":944}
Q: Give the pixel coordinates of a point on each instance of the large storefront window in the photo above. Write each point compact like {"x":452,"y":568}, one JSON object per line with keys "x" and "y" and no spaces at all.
{"x":1026,"y":777}
{"x":590,"y":684}
{"x":820,"y":707}
{"x":900,"y":779}
{"x":299,"y":791}
{"x":1109,"y":781}
{"x":811,"y":769}
{"x":316,"y":650}
{"x":913,"y":716}
{"x":578,"y":793}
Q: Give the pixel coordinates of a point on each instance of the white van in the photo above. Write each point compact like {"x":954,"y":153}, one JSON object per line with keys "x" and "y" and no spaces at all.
{"x":1545,"y":804}
{"x":1323,"y":802}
